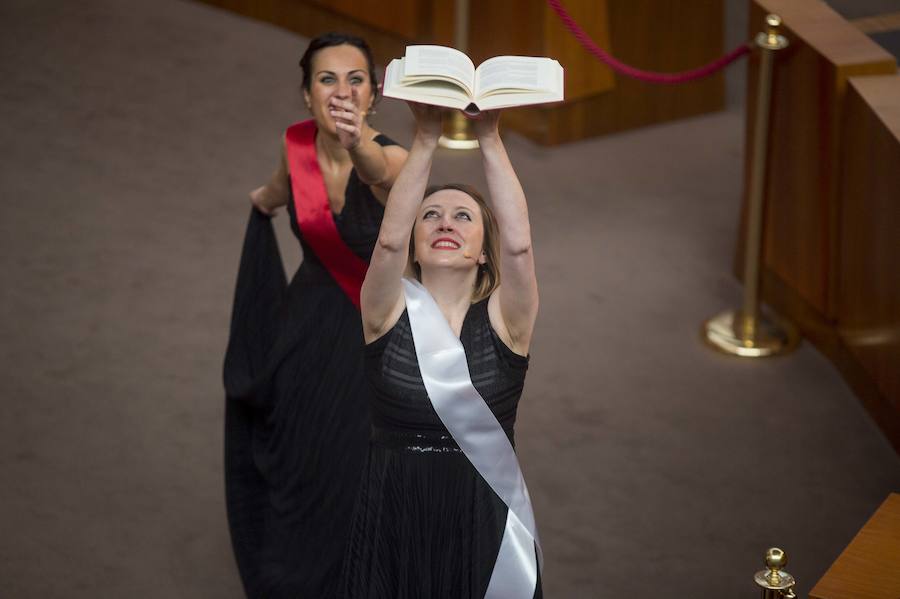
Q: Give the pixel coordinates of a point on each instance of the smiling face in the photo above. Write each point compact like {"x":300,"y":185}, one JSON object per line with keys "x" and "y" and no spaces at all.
{"x":341,"y":72}
{"x":449,"y":231}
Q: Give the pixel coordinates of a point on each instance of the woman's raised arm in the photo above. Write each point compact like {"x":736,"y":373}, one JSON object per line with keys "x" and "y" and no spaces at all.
{"x":382,"y":290}
{"x":514,"y":305}
{"x":376,"y":165}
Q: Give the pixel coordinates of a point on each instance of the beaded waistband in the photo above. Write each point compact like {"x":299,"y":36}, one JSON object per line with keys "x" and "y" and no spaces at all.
{"x":431,"y":442}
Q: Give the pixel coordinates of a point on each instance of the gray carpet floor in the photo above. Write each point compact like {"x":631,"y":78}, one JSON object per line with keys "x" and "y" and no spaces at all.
{"x":131,"y":134}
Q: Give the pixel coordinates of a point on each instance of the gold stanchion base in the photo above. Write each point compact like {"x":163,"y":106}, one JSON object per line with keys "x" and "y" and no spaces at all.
{"x":724,"y":333}
{"x":457,"y":133}
{"x":457,"y":144}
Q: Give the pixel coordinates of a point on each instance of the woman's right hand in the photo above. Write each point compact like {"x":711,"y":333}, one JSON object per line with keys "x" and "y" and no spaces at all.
{"x":258,"y":199}
{"x":486,"y":124}
{"x":429,"y":120}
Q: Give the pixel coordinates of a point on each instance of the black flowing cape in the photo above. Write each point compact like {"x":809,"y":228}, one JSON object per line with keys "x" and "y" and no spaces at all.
{"x":296,"y":421}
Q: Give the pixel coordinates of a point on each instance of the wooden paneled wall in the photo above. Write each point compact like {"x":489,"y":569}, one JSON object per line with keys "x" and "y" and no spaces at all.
{"x":531,"y":28}
{"x":406,"y":19}
{"x":818,"y":207}
{"x":654,"y":35}
{"x":388,"y":27}
{"x":661,"y":35}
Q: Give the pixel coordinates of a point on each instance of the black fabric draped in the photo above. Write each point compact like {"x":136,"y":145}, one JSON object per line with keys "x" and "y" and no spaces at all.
{"x":426,"y":524}
{"x":297,"y":408}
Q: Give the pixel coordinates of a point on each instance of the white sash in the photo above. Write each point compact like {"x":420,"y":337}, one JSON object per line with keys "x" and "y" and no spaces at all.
{"x":445,"y":372}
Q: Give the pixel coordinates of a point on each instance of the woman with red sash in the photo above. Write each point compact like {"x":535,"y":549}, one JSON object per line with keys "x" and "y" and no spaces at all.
{"x":443,"y":510}
{"x":297,"y":419}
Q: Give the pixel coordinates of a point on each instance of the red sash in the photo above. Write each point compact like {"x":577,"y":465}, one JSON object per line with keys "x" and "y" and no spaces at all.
{"x":314,"y":212}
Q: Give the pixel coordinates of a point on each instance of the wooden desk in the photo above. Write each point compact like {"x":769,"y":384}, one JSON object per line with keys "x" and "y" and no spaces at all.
{"x":869,"y":568}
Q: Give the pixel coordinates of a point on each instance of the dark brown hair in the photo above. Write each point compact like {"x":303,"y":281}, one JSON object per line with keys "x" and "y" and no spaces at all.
{"x":331,"y":39}
{"x":488,"y":277}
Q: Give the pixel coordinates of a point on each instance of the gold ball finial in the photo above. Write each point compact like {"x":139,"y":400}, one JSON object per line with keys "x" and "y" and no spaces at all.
{"x":776,"y":559}
{"x":771,"y":39}
{"x":773,"y":577}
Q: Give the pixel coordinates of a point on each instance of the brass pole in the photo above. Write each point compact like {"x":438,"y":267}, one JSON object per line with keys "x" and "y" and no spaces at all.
{"x":461,"y":25}
{"x":746,"y":332}
{"x":457,"y":130}
{"x":768,"y":43}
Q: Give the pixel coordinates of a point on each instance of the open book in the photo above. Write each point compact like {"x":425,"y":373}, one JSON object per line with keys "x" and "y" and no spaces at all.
{"x":446,"y":77}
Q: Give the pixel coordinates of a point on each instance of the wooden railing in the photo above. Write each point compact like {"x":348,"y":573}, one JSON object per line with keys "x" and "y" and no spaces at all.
{"x":867,"y":300}
{"x":832,"y":227}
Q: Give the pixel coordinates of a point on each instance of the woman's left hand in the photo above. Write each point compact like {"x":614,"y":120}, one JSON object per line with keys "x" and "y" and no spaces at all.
{"x":486,"y":123}
{"x":349,"y":120}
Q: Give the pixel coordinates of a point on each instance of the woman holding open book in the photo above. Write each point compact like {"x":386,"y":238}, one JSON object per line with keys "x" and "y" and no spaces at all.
{"x":297,"y":413}
{"x":443,"y":511}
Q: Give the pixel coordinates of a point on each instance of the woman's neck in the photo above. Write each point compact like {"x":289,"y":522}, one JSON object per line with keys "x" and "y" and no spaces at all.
{"x":452,"y":291}
{"x":329,"y":149}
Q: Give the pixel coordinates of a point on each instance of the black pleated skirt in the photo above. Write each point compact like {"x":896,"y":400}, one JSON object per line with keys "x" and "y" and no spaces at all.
{"x":426,"y":524}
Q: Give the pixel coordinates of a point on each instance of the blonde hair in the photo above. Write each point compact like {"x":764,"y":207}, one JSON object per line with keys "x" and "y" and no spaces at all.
{"x":488,"y":277}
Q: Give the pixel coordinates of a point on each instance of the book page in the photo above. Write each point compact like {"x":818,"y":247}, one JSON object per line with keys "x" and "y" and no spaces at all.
{"x":499,"y":99}
{"x":437,"y":62}
{"x":429,"y":91}
{"x":517,"y":73}
{"x":504,"y":97}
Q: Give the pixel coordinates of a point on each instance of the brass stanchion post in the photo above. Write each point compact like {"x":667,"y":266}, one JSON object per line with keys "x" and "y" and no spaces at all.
{"x":746,"y":332}
{"x":775,"y":582}
{"x":457,"y":130}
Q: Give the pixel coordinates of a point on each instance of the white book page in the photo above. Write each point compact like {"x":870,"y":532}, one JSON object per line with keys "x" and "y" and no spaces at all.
{"x":435,"y":62}
{"x":508,"y":100}
{"x":405,"y":93}
{"x":427,"y":91}
{"x":518,"y":73}
{"x":504,"y":99}
{"x":393,"y":76}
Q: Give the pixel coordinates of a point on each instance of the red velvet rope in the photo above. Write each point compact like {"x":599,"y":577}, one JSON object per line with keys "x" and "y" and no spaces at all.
{"x":630,"y":71}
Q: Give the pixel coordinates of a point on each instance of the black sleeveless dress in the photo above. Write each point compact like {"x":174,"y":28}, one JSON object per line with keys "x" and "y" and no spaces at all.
{"x":297,"y":409}
{"x":426,"y":524}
